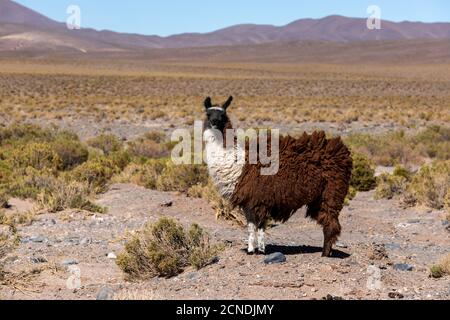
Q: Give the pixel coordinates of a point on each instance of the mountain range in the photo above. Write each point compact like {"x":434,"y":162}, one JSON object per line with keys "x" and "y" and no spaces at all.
{"x":22,"y":28}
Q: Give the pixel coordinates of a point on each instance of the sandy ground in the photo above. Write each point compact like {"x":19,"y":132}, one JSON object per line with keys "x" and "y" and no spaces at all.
{"x":65,"y":255}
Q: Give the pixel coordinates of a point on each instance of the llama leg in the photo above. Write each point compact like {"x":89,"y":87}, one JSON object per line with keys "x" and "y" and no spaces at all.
{"x":331,"y":232}
{"x":252,"y":240}
{"x":328,"y":218}
{"x":261,"y":241}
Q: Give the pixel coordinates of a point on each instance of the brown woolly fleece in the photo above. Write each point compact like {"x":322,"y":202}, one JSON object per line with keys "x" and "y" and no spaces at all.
{"x":314,"y":172}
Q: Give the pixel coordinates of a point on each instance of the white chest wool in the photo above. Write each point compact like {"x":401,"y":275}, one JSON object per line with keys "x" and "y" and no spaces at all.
{"x":223,"y":166}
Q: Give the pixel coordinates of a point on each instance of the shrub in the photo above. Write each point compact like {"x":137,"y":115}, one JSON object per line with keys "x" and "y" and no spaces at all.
{"x":3,"y":198}
{"x":352,"y":192}
{"x":71,"y":152}
{"x":67,"y":195}
{"x":400,"y":148}
{"x":442,"y":268}
{"x":430,"y":186}
{"x":363,"y":174}
{"x":148,"y":149}
{"x":120,"y":159}
{"x":39,"y":156}
{"x":151,"y":145}
{"x":181,"y":177}
{"x":30,"y":182}
{"x":389,"y":186}
{"x":95,"y":173}
{"x":145,"y":175}
{"x":164,"y":249}
{"x":106,"y":142}
{"x":223,"y":208}
{"x":24,"y":133}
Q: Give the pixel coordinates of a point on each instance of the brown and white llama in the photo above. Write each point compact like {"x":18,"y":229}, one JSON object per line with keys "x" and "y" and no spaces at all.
{"x":313,"y":171}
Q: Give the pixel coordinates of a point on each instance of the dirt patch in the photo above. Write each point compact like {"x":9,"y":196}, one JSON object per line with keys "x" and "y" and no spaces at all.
{"x":61,"y":249}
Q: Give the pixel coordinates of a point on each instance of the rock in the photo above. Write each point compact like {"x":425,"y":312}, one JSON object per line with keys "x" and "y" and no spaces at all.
{"x":193,"y":276}
{"x":413,"y":221}
{"x":69,"y":262}
{"x":341,"y":245}
{"x":105,"y":293}
{"x":403,"y":267}
{"x":276,"y":257}
{"x":85,"y":241}
{"x":395,"y":295}
{"x":393,"y":246}
{"x":37,"y":239}
{"x":38,"y":260}
{"x":112,"y":256}
{"x":167,"y":204}
{"x":329,"y":297}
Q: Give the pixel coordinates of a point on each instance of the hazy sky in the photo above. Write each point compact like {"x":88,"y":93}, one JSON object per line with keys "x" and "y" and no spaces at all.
{"x":165,"y":17}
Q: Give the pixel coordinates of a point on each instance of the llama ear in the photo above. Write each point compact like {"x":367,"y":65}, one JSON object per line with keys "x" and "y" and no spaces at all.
{"x":208,"y":103}
{"x":228,"y":103}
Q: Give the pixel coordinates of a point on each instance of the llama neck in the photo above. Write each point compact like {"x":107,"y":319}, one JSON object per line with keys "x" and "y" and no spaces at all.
{"x":223,"y":166}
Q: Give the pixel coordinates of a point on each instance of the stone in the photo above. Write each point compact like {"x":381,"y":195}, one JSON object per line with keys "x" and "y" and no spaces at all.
{"x":37,"y":239}
{"x":69,"y":262}
{"x":38,"y":260}
{"x":276,"y":257}
{"x":341,"y":245}
{"x":112,"y":256}
{"x":85,"y":241}
{"x":395,"y":295}
{"x":403,"y":267}
{"x":167,"y":204}
{"x":105,"y":293}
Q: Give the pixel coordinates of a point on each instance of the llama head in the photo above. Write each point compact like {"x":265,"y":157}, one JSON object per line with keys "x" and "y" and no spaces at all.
{"x":216,"y":115}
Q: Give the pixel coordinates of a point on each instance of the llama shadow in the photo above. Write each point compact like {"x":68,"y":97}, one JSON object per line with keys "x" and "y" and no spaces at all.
{"x":296,"y":250}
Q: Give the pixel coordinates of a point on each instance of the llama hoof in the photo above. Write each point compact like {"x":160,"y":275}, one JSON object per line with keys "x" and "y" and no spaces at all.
{"x":326,"y":254}
{"x":262,"y":252}
{"x":251,"y":253}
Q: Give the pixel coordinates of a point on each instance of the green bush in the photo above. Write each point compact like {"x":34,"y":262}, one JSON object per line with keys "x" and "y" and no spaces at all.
{"x":395,"y":148}
{"x":67,"y":195}
{"x":39,"y":156}
{"x":4,"y":197}
{"x":24,"y":133}
{"x":95,"y":173}
{"x":143,"y":174}
{"x":442,"y":268}
{"x":71,"y":152}
{"x":430,"y":186}
{"x":363,"y":174}
{"x":164,"y":249}
{"x":120,"y":159}
{"x":181,"y":177}
{"x":108,"y":143}
{"x":389,"y":186}
{"x":30,"y":182}
{"x":151,"y":145}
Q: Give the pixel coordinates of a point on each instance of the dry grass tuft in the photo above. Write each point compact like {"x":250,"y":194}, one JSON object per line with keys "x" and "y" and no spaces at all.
{"x":442,"y":268}
{"x":164,"y":249}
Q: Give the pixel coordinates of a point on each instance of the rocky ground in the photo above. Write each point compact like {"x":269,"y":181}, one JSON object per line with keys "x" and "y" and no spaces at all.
{"x":384,"y":253}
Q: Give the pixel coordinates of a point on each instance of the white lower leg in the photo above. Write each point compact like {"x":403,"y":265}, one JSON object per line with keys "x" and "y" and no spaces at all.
{"x":261,"y":241}
{"x":252,"y":241}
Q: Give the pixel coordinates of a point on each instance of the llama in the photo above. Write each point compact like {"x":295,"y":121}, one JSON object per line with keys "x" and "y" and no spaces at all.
{"x":313,"y":171}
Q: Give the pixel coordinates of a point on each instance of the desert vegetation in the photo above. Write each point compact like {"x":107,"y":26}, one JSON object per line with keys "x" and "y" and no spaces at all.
{"x":67,"y":133}
{"x":164,"y":249}
{"x":172,"y":94}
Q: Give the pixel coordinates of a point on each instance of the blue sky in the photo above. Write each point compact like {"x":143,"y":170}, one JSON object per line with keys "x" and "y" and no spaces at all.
{"x":165,"y":17}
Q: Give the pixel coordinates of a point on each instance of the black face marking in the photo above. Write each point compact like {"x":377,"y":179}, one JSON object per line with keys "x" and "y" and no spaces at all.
{"x":216,"y":115}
